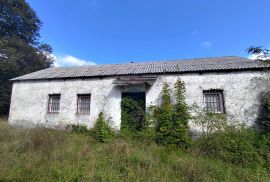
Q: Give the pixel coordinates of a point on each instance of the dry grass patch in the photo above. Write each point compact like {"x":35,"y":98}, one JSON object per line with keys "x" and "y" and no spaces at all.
{"x":49,"y":155}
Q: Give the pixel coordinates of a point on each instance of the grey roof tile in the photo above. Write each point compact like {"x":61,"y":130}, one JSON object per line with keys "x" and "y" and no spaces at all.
{"x":153,"y":67}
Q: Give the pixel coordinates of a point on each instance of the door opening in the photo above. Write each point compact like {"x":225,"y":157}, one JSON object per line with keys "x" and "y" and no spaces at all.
{"x":138,"y":98}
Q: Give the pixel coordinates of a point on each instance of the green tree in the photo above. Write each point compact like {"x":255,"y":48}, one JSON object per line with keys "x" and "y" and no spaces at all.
{"x":181,"y":115}
{"x":19,"y":20}
{"x":102,"y":131}
{"x":164,"y":116}
{"x":20,"y":50}
{"x":172,"y":119}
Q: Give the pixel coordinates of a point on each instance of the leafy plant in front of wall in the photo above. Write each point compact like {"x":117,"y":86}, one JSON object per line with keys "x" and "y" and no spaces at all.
{"x":102,"y":131}
{"x":172,"y":119}
{"x":130,"y":109}
{"x":209,"y":122}
{"x":164,"y":117}
{"x":78,"y":129}
{"x":181,"y":115}
{"x":266,"y":105}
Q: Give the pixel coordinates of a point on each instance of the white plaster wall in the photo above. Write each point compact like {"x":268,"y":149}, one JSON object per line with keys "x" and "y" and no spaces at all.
{"x":29,"y":99}
{"x":241,"y":95}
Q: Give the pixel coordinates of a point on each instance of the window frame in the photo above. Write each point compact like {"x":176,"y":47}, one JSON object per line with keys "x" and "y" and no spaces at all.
{"x":78,"y":110}
{"x":50,"y":103}
{"x":220,"y":96}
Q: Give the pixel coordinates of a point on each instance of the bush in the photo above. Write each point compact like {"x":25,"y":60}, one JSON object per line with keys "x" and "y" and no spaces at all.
{"x":244,"y":147}
{"x":129,"y":111}
{"x":164,"y":117}
{"x":181,"y":115}
{"x":263,"y":147}
{"x":102,"y":131}
{"x":209,"y":122}
{"x":78,"y":129}
{"x":172,"y":119}
{"x":267,"y":108}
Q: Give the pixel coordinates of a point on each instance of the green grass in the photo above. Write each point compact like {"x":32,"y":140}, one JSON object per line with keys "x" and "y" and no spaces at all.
{"x":49,"y":155}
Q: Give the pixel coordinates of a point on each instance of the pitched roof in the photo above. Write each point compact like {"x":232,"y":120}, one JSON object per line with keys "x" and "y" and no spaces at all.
{"x":227,"y":63}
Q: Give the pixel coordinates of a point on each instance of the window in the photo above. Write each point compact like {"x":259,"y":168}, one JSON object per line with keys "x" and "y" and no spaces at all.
{"x":54,"y":103}
{"x":213,"y":100}
{"x":83,"y":104}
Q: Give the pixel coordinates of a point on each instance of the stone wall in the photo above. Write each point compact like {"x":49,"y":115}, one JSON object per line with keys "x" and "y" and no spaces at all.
{"x":30,"y":98}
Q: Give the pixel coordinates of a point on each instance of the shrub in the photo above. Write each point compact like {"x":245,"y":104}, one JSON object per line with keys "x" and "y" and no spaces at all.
{"x":172,"y":120}
{"x":263,"y":120}
{"x":267,"y":108}
{"x":164,"y":117}
{"x":129,"y":111}
{"x":243,"y":147}
{"x":181,"y":115}
{"x":209,"y":122}
{"x":78,"y":129}
{"x":263,"y":147}
{"x":102,"y":131}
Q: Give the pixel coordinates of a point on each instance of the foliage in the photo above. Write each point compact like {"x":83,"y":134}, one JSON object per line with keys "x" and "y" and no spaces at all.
{"x":172,"y":120}
{"x":20,"y":51}
{"x":19,"y":20}
{"x":49,"y":155}
{"x":102,"y":131}
{"x":164,"y":117}
{"x":244,"y":147}
{"x":266,"y":105}
{"x":209,"y":122}
{"x":129,"y":113}
{"x":181,"y":115}
{"x":78,"y":129}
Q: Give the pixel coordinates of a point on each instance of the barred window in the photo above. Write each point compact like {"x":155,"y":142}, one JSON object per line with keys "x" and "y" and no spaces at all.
{"x":83,"y":104}
{"x":54,"y":103}
{"x":213,"y":100}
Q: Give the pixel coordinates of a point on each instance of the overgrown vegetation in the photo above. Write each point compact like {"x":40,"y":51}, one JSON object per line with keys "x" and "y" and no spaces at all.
{"x":265,"y":124}
{"x":209,"y":122}
{"x":222,"y":153}
{"x":49,"y":155}
{"x":243,"y":147}
{"x":172,"y":119}
{"x":78,"y":129}
{"x":101,"y":130}
{"x":165,"y":124}
{"x":181,"y":115}
{"x":130,"y":110}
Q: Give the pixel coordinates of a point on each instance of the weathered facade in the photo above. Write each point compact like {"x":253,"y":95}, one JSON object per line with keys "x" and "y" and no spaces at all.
{"x":232,"y":77}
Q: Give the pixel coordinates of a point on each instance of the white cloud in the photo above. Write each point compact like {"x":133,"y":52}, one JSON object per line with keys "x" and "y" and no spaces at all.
{"x":207,"y":44}
{"x":260,"y":56}
{"x":68,"y":60}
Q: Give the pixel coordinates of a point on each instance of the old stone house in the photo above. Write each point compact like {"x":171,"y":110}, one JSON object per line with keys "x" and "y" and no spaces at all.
{"x":56,"y":97}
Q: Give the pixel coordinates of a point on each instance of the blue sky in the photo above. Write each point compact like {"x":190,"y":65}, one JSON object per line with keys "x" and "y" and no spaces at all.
{"x":119,"y":31}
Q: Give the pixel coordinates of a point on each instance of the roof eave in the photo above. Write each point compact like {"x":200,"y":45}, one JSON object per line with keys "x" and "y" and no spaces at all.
{"x":156,"y":73}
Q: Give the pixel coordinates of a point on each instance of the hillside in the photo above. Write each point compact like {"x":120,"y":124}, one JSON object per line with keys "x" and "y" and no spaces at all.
{"x":49,"y":155}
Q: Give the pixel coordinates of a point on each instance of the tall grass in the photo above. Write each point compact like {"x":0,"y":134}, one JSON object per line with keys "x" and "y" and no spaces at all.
{"x":48,"y":155}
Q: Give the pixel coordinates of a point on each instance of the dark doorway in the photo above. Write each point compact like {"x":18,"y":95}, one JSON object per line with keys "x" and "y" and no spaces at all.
{"x":136,"y":96}
{"x":139,"y":99}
